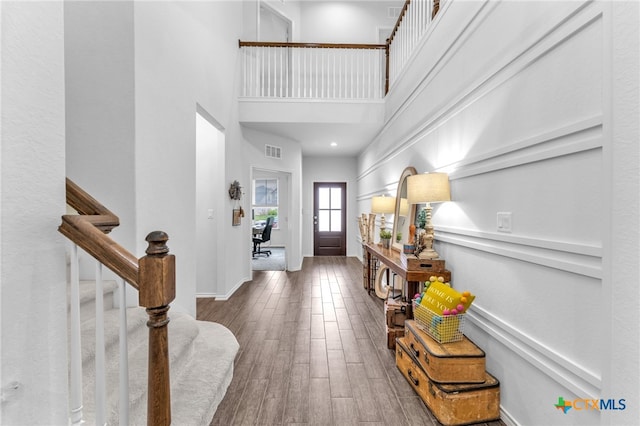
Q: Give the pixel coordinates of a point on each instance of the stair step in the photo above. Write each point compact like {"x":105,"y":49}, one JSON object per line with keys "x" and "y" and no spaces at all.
{"x":136,"y":334}
{"x":192,"y":347}
{"x":198,"y":389}
{"x":88,"y":296}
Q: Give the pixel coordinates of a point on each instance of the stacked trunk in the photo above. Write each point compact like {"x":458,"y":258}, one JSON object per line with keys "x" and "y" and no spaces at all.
{"x":449,"y":377}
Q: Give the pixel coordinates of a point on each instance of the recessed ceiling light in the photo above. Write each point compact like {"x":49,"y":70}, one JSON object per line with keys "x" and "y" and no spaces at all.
{"x":334,"y":144}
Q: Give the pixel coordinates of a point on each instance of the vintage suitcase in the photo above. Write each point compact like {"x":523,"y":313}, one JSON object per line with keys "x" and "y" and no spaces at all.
{"x":451,"y":404}
{"x":396,"y":312}
{"x":392,"y":334}
{"x":455,"y":362}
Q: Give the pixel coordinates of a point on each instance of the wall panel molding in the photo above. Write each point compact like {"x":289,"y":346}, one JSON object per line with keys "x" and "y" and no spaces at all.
{"x":570,"y":139}
{"x":581,"y":259}
{"x":514,"y":64}
{"x":552,"y":363}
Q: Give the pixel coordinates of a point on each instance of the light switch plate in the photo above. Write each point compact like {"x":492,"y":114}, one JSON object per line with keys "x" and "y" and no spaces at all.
{"x":504,"y":221}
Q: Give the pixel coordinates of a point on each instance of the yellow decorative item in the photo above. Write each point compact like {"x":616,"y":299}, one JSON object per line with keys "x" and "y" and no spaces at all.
{"x":442,"y":299}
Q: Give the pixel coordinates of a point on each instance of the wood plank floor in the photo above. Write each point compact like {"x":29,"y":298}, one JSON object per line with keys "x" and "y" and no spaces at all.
{"x":312,"y":351}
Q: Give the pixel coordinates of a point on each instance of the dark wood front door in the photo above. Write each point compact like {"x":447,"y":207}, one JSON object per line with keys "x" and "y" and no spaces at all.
{"x":329,"y":219}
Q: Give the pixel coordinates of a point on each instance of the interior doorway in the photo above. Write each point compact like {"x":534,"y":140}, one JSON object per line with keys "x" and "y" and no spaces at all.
{"x":273,"y":25}
{"x":270,"y":197}
{"x":209,"y":184}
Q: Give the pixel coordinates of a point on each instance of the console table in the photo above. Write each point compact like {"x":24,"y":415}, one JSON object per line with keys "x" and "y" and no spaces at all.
{"x":391,"y":258}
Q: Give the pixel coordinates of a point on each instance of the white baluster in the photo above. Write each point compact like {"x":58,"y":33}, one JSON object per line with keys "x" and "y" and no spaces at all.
{"x":317,"y":57}
{"x":303,"y":83}
{"x":269,"y":82}
{"x":358,"y":72}
{"x":99,"y":358}
{"x":340,"y":73}
{"x":259,"y":72}
{"x":334,"y":83}
{"x":124,"y":355}
{"x":299,"y":71}
{"x":351,"y":79}
{"x":255,"y":85}
{"x":75,"y":355}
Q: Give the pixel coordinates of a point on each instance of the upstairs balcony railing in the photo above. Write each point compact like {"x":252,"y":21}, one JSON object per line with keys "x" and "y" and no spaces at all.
{"x":414,"y":20}
{"x":311,"y":70}
{"x":334,"y":71}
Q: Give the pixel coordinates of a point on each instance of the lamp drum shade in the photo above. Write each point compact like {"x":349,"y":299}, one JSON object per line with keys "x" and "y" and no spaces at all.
{"x":383,"y":204}
{"x":428,"y":188}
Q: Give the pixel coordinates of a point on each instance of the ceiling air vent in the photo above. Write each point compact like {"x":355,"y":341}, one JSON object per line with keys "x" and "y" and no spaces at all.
{"x":273,"y":151}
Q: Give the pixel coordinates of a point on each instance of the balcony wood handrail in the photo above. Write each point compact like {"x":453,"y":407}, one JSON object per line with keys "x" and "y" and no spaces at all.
{"x":310,"y":45}
{"x":298,"y":45}
{"x":398,"y":21}
{"x":436,"y":7}
{"x":152,"y":275}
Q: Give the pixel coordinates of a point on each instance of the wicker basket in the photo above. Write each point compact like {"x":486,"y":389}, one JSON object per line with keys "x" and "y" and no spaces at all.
{"x":443,"y":329}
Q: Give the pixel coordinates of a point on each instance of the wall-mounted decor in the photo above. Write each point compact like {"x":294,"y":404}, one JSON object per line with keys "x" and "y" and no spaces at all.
{"x":235,"y":190}
{"x":237,"y":215}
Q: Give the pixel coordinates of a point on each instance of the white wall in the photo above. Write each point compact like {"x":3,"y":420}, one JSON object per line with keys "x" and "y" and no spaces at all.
{"x":100,"y":146}
{"x":344,"y":21}
{"x":531,"y":108}
{"x":185,"y":54}
{"x":330,"y":169}
{"x":210,"y":169}
{"x":173,"y":58}
{"x":33,"y":350}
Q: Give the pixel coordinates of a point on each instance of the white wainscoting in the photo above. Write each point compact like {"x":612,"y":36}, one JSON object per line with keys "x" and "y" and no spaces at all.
{"x":512,"y":99}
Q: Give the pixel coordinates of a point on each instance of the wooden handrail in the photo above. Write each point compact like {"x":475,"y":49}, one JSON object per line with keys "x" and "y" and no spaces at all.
{"x":398,"y":21}
{"x":152,"y":275}
{"x":436,"y":7}
{"x":311,"y":45}
{"x":85,"y":204}
{"x":91,"y":239}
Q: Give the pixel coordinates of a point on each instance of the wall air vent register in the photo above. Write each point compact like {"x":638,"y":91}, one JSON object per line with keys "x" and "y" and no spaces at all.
{"x":271,"y":151}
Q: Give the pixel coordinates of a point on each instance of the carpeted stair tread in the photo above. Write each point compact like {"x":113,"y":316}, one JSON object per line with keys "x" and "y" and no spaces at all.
{"x":189,"y":353}
{"x":182,"y":332}
{"x":136,"y":332}
{"x":87,"y":296}
{"x":88,"y":289}
{"x":198,"y":388}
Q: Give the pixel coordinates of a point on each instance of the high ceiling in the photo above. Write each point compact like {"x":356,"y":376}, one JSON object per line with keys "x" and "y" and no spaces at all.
{"x":315,"y":138}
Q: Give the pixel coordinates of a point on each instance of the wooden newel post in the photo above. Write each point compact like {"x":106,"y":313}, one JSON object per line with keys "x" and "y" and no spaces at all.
{"x":157,"y":278}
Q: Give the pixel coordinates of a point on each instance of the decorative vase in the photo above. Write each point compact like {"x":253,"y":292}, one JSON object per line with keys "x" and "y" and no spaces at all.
{"x":385,"y":242}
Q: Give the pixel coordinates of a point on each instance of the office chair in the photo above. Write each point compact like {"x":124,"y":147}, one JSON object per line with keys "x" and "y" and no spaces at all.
{"x":263,"y":238}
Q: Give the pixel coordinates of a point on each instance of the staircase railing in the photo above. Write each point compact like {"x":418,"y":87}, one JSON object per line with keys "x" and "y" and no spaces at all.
{"x":313,"y":70}
{"x":153,"y":276}
{"x":413,"y":21}
{"x":335,"y":71}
